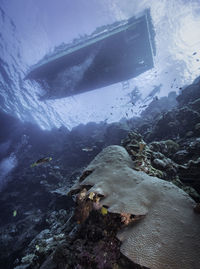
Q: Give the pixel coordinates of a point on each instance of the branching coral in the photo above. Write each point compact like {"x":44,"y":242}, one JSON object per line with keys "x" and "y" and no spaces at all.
{"x":140,"y":154}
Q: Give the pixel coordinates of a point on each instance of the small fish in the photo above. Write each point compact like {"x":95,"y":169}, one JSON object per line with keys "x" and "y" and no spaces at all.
{"x":194,"y":53}
{"x":91,"y":195}
{"x":126,"y":114}
{"x":14,"y":213}
{"x":41,"y":161}
{"x":141,"y":62}
{"x":87,"y":149}
{"x":104,"y":211}
{"x":37,"y":247}
{"x":143,"y":106}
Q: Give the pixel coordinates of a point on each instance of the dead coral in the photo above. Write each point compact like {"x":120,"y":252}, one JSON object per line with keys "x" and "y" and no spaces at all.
{"x":140,"y":154}
{"x":95,"y":245}
{"x":153,"y":160}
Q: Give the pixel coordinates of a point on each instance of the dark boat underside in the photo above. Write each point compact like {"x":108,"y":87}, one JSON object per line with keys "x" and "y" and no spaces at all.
{"x":116,"y":54}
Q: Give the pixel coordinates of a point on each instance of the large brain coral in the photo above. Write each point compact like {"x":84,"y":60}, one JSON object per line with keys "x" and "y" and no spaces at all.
{"x":169,"y":234}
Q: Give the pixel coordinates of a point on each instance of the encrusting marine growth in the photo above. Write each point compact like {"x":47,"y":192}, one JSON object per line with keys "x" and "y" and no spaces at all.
{"x":166,"y":233}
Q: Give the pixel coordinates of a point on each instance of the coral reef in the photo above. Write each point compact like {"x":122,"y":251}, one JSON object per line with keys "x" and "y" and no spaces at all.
{"x":165,"y":232}
{"x":42,"y":227}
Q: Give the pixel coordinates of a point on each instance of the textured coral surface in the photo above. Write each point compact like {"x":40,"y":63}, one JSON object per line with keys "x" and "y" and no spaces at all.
{"x":168,"y":235}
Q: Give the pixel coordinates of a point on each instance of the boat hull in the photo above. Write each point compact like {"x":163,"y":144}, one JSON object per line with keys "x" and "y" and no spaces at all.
{"x":115,"y":55}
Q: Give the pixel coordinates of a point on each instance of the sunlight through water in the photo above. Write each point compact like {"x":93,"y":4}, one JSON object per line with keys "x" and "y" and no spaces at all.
{"x":177,"y":60}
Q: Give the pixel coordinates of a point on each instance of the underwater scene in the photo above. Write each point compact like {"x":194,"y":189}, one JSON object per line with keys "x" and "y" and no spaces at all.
{"x":100,"y":134}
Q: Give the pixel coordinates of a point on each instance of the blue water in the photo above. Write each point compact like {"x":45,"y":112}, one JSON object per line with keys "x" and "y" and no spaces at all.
{"x":30,"y":29}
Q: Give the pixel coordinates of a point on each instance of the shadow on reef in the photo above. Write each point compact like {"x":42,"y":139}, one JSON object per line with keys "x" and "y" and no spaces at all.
{"x":37,"y":224}
{"x":30,"y":194}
